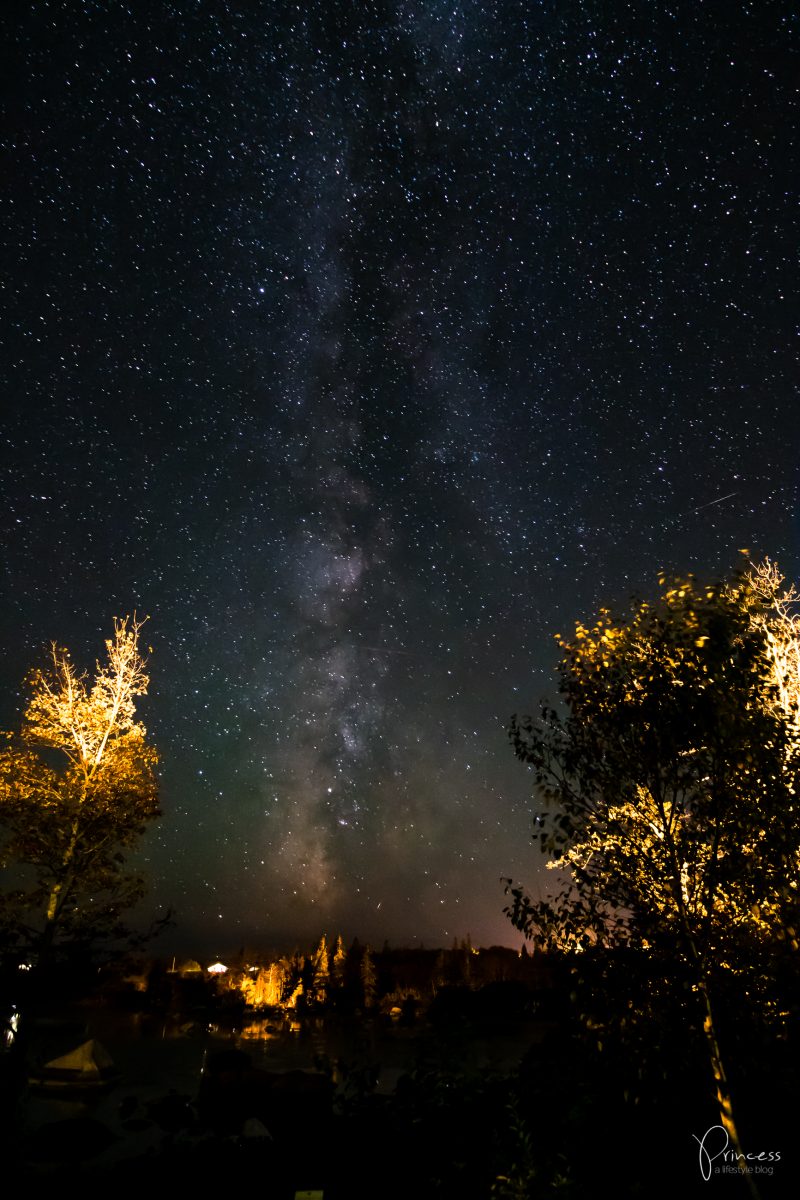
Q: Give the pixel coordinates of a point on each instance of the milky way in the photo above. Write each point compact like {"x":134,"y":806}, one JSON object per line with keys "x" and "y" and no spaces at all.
{"x":365,"y":347}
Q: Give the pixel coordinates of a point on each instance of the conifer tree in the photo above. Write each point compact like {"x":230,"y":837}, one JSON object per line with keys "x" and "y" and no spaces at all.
{"x":368,"y":978}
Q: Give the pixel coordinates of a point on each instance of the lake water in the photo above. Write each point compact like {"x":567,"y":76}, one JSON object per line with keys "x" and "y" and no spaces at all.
{"x":159,"y":1056}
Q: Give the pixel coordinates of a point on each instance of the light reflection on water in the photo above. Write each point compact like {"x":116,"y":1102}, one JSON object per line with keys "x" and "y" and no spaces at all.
{"x":155,"y":1054}
{"x":264,"y":1029}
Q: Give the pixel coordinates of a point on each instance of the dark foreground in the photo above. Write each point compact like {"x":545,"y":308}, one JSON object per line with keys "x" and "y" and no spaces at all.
{"x":507,"y":1099}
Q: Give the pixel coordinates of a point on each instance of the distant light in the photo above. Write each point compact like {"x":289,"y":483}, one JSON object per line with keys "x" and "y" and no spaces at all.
{"x":217,"y":969}
{"x":13,"y":1028}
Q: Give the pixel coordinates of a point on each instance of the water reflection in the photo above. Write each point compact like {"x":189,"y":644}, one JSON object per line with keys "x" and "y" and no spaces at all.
{"x":264,"y":1029}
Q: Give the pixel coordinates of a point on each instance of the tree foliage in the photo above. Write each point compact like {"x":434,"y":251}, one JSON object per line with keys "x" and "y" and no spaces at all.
{"x":77,"y":790}
{"x":668,"y":784}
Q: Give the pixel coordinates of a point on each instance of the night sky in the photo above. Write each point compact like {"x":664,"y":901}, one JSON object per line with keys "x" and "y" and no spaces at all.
{"x":365,"y":346}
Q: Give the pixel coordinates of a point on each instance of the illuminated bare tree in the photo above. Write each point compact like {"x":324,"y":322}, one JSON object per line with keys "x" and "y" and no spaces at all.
{"x":774,"y":611}
{"x":77,"y":788}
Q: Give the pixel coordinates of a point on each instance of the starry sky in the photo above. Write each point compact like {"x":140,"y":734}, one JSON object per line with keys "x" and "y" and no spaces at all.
{"x":365,"y":346}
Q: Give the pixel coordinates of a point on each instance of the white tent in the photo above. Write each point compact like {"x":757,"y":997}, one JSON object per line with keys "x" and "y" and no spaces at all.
{"x":87,"y":1065}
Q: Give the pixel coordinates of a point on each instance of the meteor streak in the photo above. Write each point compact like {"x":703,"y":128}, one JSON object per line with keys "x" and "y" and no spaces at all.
{"x":719,"y":500}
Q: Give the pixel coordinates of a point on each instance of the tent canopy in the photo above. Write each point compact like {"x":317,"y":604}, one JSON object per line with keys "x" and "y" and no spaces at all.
{"x":89,"y":1060}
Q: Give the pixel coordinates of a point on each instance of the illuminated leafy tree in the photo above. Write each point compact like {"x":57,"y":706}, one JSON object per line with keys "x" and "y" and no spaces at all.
{"x":77,"y":789}
{"x":669,"y":789}
{"x":266,"y":990}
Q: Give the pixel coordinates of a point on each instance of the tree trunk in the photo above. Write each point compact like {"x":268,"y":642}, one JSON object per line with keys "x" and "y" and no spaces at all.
{"x":722,"y":1089}
{"x":45,"y":947}
{"x":58,"y":894}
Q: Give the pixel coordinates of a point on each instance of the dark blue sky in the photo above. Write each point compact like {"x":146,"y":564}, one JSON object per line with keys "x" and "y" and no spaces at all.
{"x":365,"y":346}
